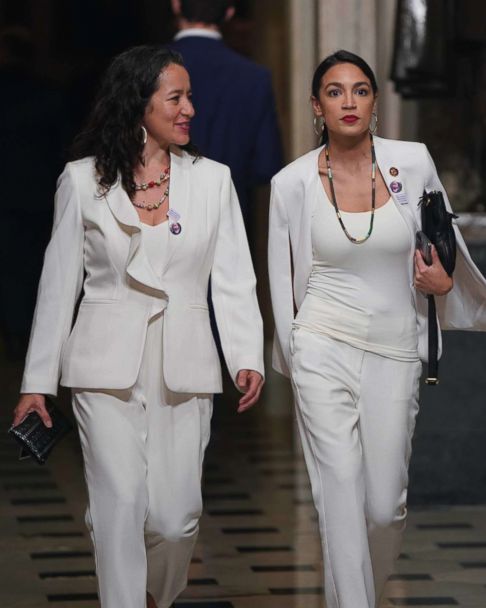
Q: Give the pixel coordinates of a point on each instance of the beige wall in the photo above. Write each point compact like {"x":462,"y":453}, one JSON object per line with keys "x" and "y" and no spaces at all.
{"x":320,"y":27}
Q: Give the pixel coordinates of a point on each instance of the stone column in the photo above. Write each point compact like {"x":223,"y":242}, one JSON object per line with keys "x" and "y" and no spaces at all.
{"x":302,"y":30}
{"x":349,"y":25}
{"x":366,"y":27}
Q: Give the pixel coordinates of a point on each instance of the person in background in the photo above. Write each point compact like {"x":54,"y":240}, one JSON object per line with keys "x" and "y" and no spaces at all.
{"x":141,"y":222}
{"x":236,"y":121}
{"x":343,"y":220}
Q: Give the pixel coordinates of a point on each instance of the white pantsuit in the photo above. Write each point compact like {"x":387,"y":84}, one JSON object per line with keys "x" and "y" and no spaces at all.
{"x":141,"y":360}
{"x":355,"y":407}
{"x":143,"y":451}
{"x":356,"y":434}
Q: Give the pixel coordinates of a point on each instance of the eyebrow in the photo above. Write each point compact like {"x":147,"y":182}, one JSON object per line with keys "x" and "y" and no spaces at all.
{"x":172,"y":91}
{"x":356,"y":84}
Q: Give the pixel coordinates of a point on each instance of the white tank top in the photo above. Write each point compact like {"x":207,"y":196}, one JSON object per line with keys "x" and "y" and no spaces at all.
{"x":155,"y":242}
{"x":360,"y":294}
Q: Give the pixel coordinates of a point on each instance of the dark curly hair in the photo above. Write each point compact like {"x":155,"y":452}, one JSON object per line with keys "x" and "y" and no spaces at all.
{"x":335,"y":59}
{"x":113,"y":132}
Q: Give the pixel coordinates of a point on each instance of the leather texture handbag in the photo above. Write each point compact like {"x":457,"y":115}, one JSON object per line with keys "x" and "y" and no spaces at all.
{"x":35,"y":439}
{"x":437,"y":229}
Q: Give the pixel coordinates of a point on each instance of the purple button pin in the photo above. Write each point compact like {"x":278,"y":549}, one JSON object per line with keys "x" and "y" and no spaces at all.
{"x":175,"y":228}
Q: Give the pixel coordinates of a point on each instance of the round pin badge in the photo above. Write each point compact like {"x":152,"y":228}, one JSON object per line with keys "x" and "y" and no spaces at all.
{"x":394,"y":171}
{"x":395,"y":187}
{"x":175,"y":228}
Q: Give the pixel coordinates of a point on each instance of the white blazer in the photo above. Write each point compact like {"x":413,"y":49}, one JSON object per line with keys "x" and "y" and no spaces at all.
{"x":97,"y":246}
{"x":290,"y":248}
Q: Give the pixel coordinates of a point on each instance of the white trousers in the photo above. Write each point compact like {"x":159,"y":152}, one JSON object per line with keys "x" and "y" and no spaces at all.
{"x":143,"y":450}
{"x":356,"y":414}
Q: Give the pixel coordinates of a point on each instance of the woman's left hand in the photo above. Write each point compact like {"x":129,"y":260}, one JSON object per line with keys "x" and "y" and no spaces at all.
{"x":431,"y":279}
{"x":251,"y":383}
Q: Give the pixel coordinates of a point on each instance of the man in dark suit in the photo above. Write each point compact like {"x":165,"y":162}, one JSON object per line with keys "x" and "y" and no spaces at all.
{"x":235,"y":120}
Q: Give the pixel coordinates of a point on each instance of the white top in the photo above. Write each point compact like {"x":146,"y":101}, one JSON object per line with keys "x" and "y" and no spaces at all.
{"x":155,"y":241}
{"x":361,"y":294}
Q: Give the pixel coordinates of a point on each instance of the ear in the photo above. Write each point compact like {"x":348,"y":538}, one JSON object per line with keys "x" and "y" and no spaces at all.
{"x":316,"y":106}
{"x":176,"y":7}
{"x":230,"y":13}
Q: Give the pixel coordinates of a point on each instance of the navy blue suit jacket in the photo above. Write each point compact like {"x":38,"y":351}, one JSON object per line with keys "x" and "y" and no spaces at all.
{"x":235,"y":121}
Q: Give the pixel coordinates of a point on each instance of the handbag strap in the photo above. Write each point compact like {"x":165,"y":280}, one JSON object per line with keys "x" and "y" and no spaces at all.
{"x":433,"y":331}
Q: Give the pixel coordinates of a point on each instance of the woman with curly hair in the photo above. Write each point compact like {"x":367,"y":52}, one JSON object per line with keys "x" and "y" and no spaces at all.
{"x":141,"y":225}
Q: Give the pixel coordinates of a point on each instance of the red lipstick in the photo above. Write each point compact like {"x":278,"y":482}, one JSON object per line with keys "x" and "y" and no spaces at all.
{"x":350,"y":119}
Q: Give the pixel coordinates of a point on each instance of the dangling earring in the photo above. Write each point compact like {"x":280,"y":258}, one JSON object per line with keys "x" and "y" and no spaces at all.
{"x":144,"y":135}
{"x":373,"y":124}
{"x":317,"y":131}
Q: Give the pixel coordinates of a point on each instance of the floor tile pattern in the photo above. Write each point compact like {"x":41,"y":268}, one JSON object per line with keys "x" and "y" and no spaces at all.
{"x":258,"y":546}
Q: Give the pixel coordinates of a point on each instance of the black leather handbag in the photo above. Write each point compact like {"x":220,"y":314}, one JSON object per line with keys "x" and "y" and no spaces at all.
{"x":437,"y":229}
{"x":35,"y":439}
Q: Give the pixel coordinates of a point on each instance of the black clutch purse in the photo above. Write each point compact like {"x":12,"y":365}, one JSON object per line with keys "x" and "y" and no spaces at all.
{"x":437,"y":226}
{"x":437,"y":229}
{"x":35,"y":439}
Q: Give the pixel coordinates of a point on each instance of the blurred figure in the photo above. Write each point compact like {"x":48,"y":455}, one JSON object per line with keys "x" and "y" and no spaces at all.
{"x":235,"y":121}
{"x":31,"y":142}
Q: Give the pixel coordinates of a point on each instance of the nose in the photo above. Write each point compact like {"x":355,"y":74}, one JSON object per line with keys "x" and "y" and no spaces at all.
{"x":188,"y":109}
{"x":348,"y":100}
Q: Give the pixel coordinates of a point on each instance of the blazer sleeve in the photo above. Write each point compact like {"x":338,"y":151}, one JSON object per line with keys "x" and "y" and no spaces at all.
{"x":233,"y":288}
{"x":464,"y":307}
{"x":280,"y":274}
{"x":59,"y":288}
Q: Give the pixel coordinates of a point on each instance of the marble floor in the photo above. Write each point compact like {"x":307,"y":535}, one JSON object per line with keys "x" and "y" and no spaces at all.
{"x":258,"y":546}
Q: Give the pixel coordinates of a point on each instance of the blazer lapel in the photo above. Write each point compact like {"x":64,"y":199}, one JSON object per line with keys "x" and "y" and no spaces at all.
{"x":180,"y":174}
{"x":397,"y":181}
{"x":138,"y":265}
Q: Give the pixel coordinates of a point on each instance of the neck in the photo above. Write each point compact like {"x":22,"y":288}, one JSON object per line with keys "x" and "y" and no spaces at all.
{"x":349,"y":149}
{"x":184,"y":24}
{"x":154,"y":156}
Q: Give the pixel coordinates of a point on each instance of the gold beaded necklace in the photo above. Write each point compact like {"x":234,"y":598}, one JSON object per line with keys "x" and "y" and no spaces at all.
{"x":164,"y":177}
{"x":356,"y":241}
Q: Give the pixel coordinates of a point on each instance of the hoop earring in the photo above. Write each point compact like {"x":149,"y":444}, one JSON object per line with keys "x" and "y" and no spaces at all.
{"x":373,"y":125}
{"x":144,"y":135}
{"x":323,"y":124}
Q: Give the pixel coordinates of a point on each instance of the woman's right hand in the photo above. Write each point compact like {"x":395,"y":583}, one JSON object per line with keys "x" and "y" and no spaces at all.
{"x":31,"y":402}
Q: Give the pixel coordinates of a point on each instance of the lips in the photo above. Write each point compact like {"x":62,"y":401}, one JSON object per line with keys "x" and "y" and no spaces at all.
{"x":350,"y":119}
{"x":185,"y":126}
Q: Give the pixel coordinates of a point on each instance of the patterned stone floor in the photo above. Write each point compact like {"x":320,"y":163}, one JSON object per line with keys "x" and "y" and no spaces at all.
{"x":258,"y":546}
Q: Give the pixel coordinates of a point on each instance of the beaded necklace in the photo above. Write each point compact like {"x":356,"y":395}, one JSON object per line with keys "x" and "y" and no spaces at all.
{"x":164,"y":176}
{"x":153,"y":206}
{"x":356,"y":241}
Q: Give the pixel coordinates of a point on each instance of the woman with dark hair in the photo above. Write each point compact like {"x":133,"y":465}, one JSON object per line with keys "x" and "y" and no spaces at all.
{"x":141,"y":224}
{"x":343,"y":220}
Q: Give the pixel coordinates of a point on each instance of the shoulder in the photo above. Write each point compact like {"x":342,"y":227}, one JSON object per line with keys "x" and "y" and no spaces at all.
{"x":300,"y":170}
{"x":81,"y":172}
{"x":248,"y":66}
{"x":206,"y":168}
{"x":82,"y":167}
{"x":411,"y":150}
{"x":208,"y":52}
